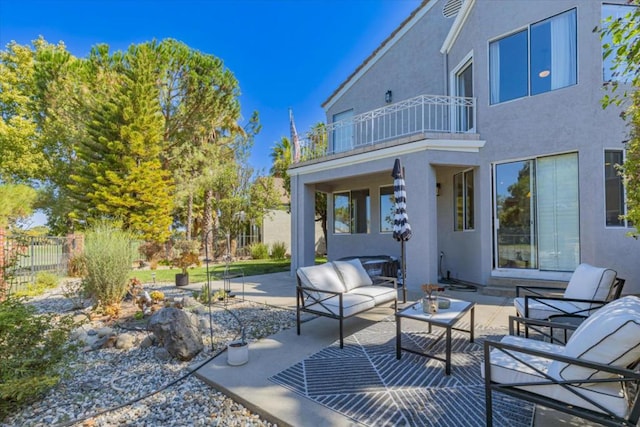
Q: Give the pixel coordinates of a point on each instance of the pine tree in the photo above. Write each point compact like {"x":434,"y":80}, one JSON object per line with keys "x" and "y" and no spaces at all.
{"x":123,"y":178}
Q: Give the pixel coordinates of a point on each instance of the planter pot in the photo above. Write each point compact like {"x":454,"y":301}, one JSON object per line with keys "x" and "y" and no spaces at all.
{"x":182,"y":279}
{"x":237,"y":353}
{"x":430,"y":305}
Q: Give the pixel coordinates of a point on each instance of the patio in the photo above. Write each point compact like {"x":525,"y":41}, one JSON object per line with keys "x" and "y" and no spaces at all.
{"x":252,"y":384}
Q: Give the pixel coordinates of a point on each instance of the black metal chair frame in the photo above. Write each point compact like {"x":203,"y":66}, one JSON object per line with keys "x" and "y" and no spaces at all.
{"x":628,"y":377}
{"x":535,"y":293}
{"x":306,"y":300}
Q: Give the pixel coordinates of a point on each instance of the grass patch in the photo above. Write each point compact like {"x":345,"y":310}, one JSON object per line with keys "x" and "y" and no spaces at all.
{"x":199,"y":274}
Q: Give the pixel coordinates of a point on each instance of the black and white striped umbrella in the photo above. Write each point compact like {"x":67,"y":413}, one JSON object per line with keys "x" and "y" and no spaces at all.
{"x":401,"y":227}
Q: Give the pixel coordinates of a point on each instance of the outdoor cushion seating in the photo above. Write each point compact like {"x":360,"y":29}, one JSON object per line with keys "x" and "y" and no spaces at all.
{"x":593,"y":376}
{"x":341,"y":289}
{"x":589,"y":289}
{"x":381,"y":265}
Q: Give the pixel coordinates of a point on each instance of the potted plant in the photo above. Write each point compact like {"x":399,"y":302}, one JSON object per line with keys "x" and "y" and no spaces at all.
{"x":238,"y":351}
{"x":185,"y":254}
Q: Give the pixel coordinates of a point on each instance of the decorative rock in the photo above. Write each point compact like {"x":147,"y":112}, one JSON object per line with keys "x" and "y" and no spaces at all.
{"x":125,"y":341}
{"x":162,"y":354}
{"x":147,"y":342}
{"x":176,"y":332}
{"x":104,"y":332}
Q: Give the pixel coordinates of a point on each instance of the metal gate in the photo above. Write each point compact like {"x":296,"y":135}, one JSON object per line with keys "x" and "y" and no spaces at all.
{"x":28,"y":256}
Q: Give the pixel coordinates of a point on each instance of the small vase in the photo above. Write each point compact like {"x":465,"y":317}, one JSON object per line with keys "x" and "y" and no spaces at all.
{"x":430,"y":304}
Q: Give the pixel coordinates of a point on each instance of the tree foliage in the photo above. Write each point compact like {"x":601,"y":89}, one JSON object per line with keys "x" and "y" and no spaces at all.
{"x":16,"y":202}
{"x":146,"y":136}
{"x":624,"y":91}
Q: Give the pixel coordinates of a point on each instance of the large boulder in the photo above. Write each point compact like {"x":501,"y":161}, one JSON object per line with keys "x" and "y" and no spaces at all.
{"x":176,"y":332}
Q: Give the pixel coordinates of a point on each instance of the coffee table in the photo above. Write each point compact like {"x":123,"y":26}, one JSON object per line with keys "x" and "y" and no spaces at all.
{"x":444,"y":318}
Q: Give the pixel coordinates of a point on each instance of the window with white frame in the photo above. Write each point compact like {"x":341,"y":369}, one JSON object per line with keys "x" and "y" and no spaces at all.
{"x":538,"y":59}
{"x":351,"y":212}
{"x":464,"y":88}
{"x":536,"y":213}
{"x":614,"y":195}
{"x":387,"y":201}
{"x":463,"y":200}
{"x":614,"y":12}
{"x":342,"y":134}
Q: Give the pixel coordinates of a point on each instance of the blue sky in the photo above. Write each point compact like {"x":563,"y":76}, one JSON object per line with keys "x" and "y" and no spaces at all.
{"x":284,"y":53}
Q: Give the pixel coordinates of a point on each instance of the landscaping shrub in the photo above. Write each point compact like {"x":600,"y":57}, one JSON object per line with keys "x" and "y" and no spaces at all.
{"x":152,"y":251}
{"x":43,"y":282}
{"x":278,"y":250}
{"x":259,"y":251}
{"x":107,"y":254}
{"x":33,"y":348}
{"x":76,"y":266}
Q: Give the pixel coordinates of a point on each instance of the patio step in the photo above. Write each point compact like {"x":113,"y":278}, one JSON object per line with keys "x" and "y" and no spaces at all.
{"x":506,"y":286}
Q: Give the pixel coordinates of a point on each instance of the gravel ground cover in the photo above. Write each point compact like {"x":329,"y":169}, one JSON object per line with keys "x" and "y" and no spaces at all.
{"x":144,"y":388}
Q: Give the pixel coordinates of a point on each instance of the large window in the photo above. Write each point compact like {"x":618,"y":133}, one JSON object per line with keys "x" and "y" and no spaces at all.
{"x":614,"y":189}
{"x":614,"y":12}
{"x":343,"y":131}
{"x":537,"y":213}
{"x":387,"y":210}
{"x":351,"y":212}
{"x":538,"y":59}
{"x":463,"y":200}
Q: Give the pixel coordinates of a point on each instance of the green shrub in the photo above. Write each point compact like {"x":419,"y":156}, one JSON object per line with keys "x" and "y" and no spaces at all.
{"x":47,"y":280}
{"x":34,"y":347}
{"x":259,"y":251}
{"x":278,"y":250}
{"x":107,"y":255}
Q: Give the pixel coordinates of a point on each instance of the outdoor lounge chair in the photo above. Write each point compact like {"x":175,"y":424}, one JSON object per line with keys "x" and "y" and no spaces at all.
{"x":589,"y":289}
{"x":594,"y":376}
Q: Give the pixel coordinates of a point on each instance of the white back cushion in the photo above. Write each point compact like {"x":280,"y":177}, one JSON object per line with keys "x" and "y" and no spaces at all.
{"x":353,"y":274}
{"x":610,"y":336}
{"x":589,"y":282}
{"x":322,"y":277}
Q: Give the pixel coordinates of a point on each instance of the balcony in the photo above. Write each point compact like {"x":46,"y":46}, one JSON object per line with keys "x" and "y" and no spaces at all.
{"x":419,"y":115}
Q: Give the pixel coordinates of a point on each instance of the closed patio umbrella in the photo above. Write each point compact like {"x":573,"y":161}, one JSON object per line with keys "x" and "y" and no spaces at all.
{"x":401,"y":227}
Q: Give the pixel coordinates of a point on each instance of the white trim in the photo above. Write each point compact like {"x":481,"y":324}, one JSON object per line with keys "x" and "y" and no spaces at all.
{"x":459,"y":22}
{"x":531,"y":274}
{"x":467,"y":61}
{"x":354,"y":78}
{"x":394,"y":151}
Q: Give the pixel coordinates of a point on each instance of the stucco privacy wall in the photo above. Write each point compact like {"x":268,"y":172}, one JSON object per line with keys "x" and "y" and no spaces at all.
{"x":277,"y":228}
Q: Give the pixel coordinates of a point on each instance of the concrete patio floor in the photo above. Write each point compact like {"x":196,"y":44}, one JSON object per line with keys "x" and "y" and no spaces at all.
{"x":249,"y":384}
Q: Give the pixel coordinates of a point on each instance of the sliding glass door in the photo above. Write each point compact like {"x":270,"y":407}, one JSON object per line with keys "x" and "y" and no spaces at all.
{"x":536,"y":214}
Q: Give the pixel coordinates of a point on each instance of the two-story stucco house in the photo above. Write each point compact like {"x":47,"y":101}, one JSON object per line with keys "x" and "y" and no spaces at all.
{"x":493,"y":108}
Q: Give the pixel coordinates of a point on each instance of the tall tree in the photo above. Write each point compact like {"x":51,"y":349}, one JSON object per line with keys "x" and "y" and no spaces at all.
{"x":625,"y":91}
{"x":123,"y":176}
{"x":21,"y":154}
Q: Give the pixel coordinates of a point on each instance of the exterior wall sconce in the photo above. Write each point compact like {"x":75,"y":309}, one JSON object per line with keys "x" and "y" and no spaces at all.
{"x":388,"y":97}
{"x":437,"y":188}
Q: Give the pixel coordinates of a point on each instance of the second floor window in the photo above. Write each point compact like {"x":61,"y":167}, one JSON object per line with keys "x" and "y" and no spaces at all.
{"x":538,"y":59}
{"x":614,"y":12}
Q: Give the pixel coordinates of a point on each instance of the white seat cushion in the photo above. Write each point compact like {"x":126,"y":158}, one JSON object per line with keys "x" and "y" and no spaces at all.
{"x":380,"y":294}
{"x":538,"y":309}
{"x":322,"y":277}
{"x":507,"y":370}
{"x":353,"y":304}
{"x":610,"y":336}
{"x":352,"y":273}
{"x":589,"y":282}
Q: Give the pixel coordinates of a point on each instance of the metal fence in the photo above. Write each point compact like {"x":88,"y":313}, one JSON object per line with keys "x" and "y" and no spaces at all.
{"x":33,"y":255}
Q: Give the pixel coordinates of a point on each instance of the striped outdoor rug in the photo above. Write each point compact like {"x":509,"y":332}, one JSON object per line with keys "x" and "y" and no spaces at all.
{"x":365,"y":381}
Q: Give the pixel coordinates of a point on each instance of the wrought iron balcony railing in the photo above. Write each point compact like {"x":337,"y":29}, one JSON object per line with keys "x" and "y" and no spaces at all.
{"x":421,"y":114}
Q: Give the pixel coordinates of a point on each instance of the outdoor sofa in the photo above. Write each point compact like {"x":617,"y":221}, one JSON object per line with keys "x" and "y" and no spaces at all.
{"x":594,"y":375}
{"x":341,"y":289}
